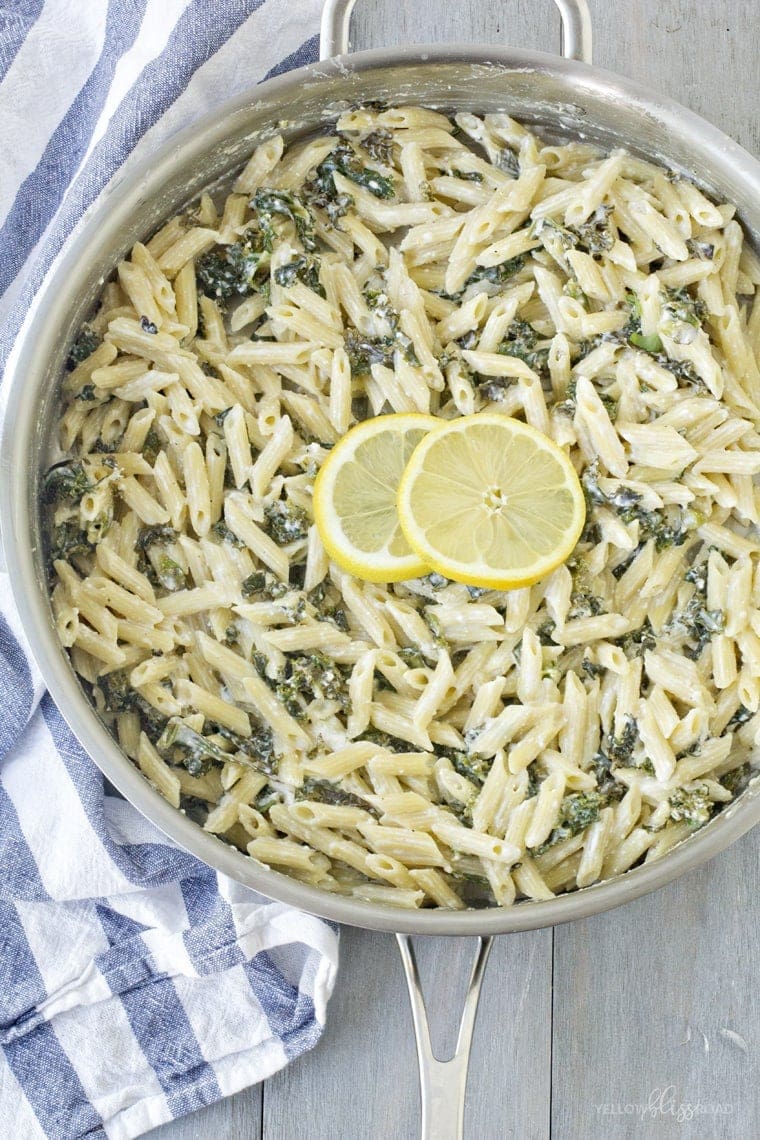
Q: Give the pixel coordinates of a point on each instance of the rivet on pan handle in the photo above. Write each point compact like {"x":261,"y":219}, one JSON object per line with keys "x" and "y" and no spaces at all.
{"x":443,"y":1083}
{"x":575,"y":42}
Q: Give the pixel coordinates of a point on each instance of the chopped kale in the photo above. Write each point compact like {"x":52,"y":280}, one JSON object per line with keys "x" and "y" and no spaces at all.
{"x":363,"y":351}
{"x":698,"y":624}
{"x":683,"y":371}
{"x":620,"y":748}
{"x":694,"y":620}
{"x":697,"y":575}
{"x":545,"y":632}
{"x":66,"y":482}
{"x":590,"y":482}
{"x":701,"y":249}
{"x":323,"y":792}
{"x":151,"y":447}
{"x":197,"y":752}
{"x":691,"y":805}
{"x":320,"y":194}
{"x":317,"y":596}
{"x":294,"y":609}
{"x":258,"y":748}
{"x":230,"y":270}
{"x":304,"y":269}
{"x":468,"y":340}
{"x":85,"y":343}
{"x":224,"y":534}
{"x":432,"y":622}
{"x":379,"y":146}
{"x":584,"y":604}
{"x":266,"y":799}
{"x":520,"y":341}
{"x":466,"y":175}
{"x":436,"y":581}
{"x":606,"y":784}
{"x":86,"y":394}
{"x":170,"y":574}
{"x":316,"y":676}
{"x":148,"y":326}
{"x":592,"y":668}
{"x":265,"y":583}
{"x":269,"y":204}
{"x":638,"y":641}
{"x":256,"y":583}
{"x":305,"y":679}
{"x":149,"y":535}
{"x":624,"y":499}
{"x":473,"y":768}
{"x":650,"y":342}
{"x":412,"y":657}
{"x":556,"y":238}
{"x":286,"y":522}
{"x":740,"y":717}
{"x":497,"y":274}
{"x":737,"y":779}
{"x":681,"y":306}
{"x":508,"y":161}
{"x":337,"y":617}
{"x":69,"y":540}
{"x":577,"y":812}
{"x":384,"y":740}
{"x":596,"y":236}
{"x":344,"y":160}
{"x":668,"y":527}
{"x":119,"y":696}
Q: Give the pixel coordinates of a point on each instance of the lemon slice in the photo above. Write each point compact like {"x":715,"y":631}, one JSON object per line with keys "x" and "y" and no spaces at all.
{"x":490,"y":501}
{"x":355,"y":498}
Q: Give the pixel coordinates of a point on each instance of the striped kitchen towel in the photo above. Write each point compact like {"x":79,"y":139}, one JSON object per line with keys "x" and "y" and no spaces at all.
{"x":135,"y":984}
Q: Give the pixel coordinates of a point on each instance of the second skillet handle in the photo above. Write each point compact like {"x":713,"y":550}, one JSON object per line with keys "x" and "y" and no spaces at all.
{"x":443,"y":1083}
{"x":575,"y":16}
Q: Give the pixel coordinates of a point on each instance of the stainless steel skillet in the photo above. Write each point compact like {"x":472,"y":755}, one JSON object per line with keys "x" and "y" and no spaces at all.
{"x":560,"y":96}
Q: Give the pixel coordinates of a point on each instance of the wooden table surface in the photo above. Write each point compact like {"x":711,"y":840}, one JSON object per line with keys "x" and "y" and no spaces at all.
{"x":643,"y":1022}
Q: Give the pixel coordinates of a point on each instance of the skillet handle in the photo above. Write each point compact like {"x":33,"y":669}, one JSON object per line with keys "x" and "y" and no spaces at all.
{"x":575,"y":16}
{"x":443,"y":1083}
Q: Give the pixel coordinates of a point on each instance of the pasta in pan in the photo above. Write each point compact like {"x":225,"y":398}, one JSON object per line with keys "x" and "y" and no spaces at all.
{"x":424,"y":743}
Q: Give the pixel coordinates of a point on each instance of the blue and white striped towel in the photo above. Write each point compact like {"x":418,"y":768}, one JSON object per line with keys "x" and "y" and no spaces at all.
{"x":135,"y":984}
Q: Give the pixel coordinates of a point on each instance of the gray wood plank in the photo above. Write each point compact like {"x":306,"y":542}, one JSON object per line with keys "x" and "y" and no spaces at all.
{"x":522,"y":24}
{"x":360,"y":1083}
{"x":656,"y":1006}
{"x":703,"y":55}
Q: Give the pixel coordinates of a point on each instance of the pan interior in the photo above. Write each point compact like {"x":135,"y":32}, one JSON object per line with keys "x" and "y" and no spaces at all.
{"x":561,"y":100}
